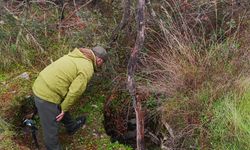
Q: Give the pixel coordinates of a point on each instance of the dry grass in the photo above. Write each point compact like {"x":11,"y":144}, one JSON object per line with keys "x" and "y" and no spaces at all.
{"x":194,"y":56}
{"x":180,"y":59}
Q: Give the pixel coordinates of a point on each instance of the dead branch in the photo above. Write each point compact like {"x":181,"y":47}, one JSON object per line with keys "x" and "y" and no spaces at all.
{"x":140,"y":15}
{"x":35,"y":41}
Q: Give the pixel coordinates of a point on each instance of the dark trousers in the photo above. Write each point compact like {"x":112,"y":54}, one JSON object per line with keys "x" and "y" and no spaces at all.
{"x":47,"y":113}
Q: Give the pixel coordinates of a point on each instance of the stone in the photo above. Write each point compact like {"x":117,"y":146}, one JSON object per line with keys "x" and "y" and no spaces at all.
{"x":24,"y":75}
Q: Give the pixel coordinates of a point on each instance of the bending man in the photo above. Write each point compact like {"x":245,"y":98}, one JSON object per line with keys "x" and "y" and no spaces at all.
{"x":59,"y":85}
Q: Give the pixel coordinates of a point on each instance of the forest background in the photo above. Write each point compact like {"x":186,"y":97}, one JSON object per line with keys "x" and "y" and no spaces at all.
{"x":192,"y":73}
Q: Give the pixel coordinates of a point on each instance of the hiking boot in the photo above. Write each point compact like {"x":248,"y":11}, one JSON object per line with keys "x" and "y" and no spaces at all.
{"x":80,"y":121}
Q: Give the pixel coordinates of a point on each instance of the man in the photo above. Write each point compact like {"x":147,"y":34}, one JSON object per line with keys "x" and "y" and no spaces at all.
{"x":59,"y":85}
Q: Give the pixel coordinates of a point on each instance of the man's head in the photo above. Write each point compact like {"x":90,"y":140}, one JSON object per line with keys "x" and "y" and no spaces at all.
{"x":101,"y":55}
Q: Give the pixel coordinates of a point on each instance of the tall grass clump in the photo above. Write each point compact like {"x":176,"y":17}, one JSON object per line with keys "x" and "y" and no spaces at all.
{"x":194,"y":56}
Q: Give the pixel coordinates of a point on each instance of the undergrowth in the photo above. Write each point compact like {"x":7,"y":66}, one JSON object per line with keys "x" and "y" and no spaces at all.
{"x":195,"y":55}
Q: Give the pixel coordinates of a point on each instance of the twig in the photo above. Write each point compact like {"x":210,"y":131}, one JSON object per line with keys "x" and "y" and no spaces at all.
{"x":77,"y":10}
{"x":35,"y":41}
{"x":63,"y":6}
{"x":45,"y":27}
{"x":70,"y":25}
{"x":170,"y":131}
{"x":155,"y":138}
{"x":75,"y":4}
{"x":11,"y":13}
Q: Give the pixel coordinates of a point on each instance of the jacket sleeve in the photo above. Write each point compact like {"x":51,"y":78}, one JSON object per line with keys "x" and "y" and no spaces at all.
{"x":76,"y":89}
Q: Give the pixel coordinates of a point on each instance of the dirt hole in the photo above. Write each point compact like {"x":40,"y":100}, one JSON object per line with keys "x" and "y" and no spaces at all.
{"x":120,"y":121}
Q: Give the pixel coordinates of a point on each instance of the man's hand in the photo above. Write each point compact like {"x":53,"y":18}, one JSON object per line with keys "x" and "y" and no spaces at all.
{"x":60,"y":116}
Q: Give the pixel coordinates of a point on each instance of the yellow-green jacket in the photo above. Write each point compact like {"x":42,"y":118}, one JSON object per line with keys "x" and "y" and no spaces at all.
{"x":65,"y":80}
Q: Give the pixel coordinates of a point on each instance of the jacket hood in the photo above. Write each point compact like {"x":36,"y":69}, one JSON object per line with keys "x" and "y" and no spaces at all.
{"x":78,"y":54}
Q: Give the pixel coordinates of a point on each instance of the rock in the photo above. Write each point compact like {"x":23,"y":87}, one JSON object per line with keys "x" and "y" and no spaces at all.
{"x":95,"y":106}
{"x":13,"y":92}
{"x":24,"y":75}
{"x":130,"y":135}
{"x":95,"y":135}
{"x":4,"y":83}
{"x":1,"y":137}
{"x":28,"y":97}
{"x":132,"y":121}
{"x":1,"y":131}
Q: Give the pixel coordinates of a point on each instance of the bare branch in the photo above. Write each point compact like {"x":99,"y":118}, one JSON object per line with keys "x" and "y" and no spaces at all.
{"x":140,"y":15}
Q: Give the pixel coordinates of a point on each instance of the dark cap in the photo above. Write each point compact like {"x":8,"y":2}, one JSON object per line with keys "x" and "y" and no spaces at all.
{"x":100,"y":52}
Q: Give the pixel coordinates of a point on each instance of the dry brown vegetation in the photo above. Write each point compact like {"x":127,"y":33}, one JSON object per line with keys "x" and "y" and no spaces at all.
{"x":195,"y":55}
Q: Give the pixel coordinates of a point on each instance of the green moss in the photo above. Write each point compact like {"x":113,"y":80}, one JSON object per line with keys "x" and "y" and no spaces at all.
{"x":2,"y":77}
{"x":107,"y":145}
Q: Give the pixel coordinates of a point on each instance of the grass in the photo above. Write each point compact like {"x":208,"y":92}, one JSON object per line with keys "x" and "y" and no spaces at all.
{"x":212,"y":122}
{"x":190,"y":60}
{"x":2,"y":77}
{"x":6,"y":136}
{"x":230,"y":125}
{"x":196,"y":67}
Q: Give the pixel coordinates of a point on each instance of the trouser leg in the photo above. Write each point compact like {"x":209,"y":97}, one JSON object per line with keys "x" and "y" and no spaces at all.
{"x":47,"y":112}
{"x":68,"y":122}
